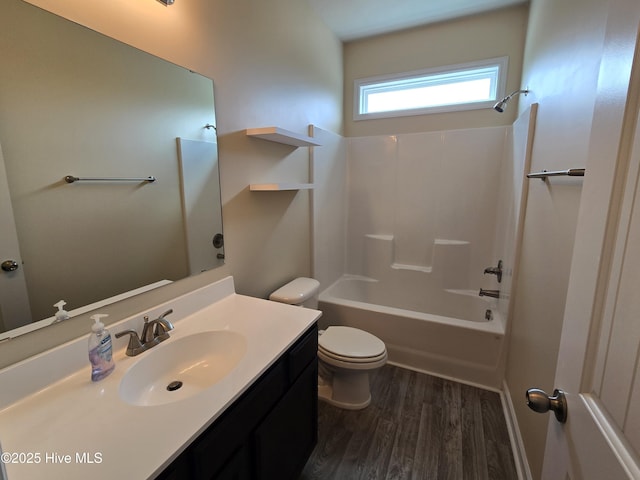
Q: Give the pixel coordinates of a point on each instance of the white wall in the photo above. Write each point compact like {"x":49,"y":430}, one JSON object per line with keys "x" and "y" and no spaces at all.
{"x":410,"y":194}
{"x":329,"y":207}
{"x":561,"y":68}
{"x":488,"y":35}
{"x":514,"y":187}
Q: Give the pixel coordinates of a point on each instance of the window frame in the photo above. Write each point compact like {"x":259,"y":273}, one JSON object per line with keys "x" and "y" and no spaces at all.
{"x":360,"y":85}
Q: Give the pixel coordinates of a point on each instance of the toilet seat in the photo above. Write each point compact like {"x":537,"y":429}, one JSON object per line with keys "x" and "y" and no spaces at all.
{"x":367,"y":362}
{"x":351,"y":345}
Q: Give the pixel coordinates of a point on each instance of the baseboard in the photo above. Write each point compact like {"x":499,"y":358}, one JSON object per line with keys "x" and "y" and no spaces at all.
{"x":517,"y":445}
{"x":434,"y":373}
{"x":450,"y":367}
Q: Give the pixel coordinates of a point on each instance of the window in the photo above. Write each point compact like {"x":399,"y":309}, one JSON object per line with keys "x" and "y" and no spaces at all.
{"x":456,"y":87}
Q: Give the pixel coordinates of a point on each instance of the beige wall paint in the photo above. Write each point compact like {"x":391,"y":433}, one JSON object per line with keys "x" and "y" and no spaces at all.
{"x":477,"y":37}
{"x":118,"y":116}
{"x":273,"y":63}
{"x":561,"y":67}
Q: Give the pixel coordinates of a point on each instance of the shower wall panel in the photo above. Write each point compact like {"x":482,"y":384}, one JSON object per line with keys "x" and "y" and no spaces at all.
{"x":418,"y":190}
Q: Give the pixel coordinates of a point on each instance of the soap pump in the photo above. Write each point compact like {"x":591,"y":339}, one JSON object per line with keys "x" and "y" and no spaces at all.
{"x":61,"y":314}
{"x":100,"y":349}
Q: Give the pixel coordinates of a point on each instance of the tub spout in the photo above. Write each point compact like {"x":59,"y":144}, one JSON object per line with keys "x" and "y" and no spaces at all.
{"x":489,"y":293}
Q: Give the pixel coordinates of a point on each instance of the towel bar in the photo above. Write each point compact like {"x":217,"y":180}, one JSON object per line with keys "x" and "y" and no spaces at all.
{"x":571,"y":172}
{"x":72,"y":179}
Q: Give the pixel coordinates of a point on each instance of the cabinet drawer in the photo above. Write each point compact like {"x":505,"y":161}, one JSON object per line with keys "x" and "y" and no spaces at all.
{"x":303,"y":352}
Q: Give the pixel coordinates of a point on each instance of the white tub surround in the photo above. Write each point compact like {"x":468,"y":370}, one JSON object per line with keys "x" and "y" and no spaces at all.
{"x":426,"y":214}
{"x":69,"y":427}
{"x":417,"y":202}
{"x":457,"y":342}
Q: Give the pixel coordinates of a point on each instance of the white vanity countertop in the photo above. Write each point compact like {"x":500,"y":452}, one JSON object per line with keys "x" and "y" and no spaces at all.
{"x":73,"y":428}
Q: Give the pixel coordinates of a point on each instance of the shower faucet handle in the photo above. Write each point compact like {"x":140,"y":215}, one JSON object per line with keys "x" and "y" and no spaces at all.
{"x":497,"y":271}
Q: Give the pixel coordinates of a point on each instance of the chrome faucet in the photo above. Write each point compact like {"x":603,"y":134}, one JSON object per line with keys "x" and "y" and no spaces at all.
{"x":489,"y":293}
{"x":497,"y":271}
{"x":156,"y":330}
{"x":135,"y":347}
{"x":153,"y":332}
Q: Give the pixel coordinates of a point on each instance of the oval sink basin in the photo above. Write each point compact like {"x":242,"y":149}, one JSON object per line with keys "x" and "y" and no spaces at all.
{"x":182,"y":368}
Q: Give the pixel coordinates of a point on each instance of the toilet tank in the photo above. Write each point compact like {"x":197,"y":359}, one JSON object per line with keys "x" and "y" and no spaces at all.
{"x":302,"y":291}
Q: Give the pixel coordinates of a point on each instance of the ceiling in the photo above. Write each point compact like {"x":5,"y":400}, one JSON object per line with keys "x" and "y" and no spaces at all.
{"x":354,"y":19}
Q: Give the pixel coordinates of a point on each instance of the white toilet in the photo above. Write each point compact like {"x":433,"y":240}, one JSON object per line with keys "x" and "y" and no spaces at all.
{"x":345,"y":354}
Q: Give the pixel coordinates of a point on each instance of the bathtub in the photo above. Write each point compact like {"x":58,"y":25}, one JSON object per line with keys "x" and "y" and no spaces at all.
{"x":462,"y":338}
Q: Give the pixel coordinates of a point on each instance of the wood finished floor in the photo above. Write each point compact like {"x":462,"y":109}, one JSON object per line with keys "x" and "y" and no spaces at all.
{"x":417,"y":427}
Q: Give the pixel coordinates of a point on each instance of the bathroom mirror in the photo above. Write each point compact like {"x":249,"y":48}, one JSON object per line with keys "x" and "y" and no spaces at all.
{"x":76,"y":103}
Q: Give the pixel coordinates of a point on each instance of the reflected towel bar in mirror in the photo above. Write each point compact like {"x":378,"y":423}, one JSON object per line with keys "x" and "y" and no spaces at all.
{"x":72,"y":179}
{"x":571,"y":172}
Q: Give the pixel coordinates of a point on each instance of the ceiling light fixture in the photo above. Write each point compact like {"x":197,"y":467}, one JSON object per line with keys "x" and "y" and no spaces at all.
{"x":166,"y":2}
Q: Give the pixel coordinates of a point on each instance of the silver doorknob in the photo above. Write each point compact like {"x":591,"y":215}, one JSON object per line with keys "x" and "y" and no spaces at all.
{"x":539,"y":401}
{"x":9,"y":265}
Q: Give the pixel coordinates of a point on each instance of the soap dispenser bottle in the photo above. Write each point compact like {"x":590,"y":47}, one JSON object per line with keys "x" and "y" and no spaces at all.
{"x":100,"y":349}
{"x":61,"y":314}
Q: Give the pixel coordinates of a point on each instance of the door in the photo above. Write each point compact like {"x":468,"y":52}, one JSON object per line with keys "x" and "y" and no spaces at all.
{"x":599,"y":360}
{"x":14,"y":301}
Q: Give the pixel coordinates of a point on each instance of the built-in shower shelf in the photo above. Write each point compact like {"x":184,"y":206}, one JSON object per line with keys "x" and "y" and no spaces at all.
{"x":466,"y":292}
{"x":414,"y":268}
{"x":279,"y":187}
{"x":446,"y":241}
{"x":280,"y":135}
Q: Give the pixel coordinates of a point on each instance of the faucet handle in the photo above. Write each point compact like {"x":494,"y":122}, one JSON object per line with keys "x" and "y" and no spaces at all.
{"x":497,"y":271}
{"x":135,"y":347}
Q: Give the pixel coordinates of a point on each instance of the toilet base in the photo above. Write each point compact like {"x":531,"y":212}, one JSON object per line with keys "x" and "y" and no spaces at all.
{"x":349,"y":391}
{"x":325,"y":394}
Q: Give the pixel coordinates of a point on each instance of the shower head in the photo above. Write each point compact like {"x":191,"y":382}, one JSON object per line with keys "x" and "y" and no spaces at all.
{"x":502,"y":104}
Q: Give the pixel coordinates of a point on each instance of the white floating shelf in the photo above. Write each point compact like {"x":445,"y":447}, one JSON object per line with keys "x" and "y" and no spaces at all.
{"x":279,"y":187}
{"x":280,"y":135}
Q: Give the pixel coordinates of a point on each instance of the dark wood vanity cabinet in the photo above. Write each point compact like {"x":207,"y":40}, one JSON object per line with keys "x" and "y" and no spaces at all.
{"x":269,"y":432}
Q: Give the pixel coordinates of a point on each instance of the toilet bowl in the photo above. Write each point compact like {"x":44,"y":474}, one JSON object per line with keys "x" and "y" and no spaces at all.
{"x":346,"y":355}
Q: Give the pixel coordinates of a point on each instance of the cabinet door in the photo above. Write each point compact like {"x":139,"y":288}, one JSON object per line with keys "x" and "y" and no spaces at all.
{"x":288,"y":435}
{"x":238,"y":467}
{"x":178,"y":470}
{"x":217,"y":448}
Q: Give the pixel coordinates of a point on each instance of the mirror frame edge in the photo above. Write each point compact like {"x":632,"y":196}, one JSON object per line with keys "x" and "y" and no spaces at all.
{"x":23,"y":347}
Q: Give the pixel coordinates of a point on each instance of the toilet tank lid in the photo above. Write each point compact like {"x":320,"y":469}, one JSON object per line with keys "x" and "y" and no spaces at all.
{"x":296,"y":291}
